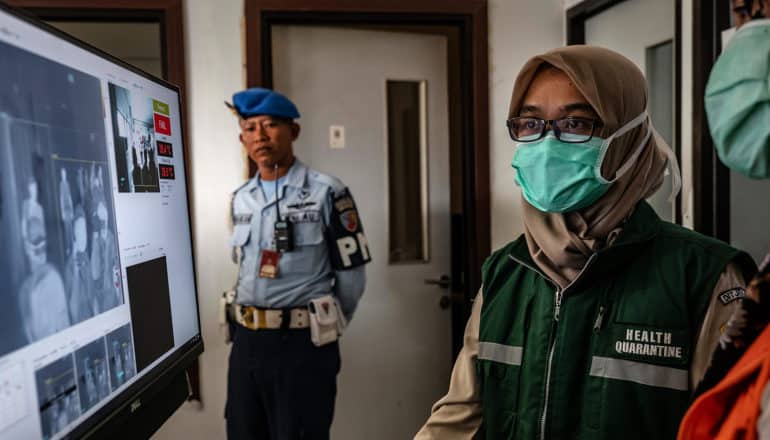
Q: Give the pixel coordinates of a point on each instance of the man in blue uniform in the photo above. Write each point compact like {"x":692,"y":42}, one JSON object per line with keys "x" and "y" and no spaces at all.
{"x":301,"y":250}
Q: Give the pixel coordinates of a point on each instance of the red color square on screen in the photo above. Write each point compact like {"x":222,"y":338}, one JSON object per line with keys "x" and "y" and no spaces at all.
{"x":162,"y":124}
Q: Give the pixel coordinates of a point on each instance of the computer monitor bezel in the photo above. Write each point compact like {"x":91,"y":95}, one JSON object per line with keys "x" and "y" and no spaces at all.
{"x":129,"y":400}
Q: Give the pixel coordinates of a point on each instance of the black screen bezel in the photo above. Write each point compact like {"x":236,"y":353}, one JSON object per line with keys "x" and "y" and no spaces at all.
{"x":182,"y":357}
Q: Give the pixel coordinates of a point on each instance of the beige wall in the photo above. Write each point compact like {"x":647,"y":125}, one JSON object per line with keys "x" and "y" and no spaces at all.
{"x":214,"y":57}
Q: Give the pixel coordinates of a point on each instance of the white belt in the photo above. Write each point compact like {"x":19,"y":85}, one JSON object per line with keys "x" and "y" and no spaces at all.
{"x":256,"y":318}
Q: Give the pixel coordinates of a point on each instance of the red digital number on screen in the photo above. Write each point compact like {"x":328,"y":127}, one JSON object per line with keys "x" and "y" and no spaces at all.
{"x":166,"y":171}
{"x":165,"y":149}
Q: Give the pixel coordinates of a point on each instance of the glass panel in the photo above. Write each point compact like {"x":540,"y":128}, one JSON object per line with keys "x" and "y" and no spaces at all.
{"x":659,"y":60}
{"x":135,"y":43}
{"x":407,"y":177}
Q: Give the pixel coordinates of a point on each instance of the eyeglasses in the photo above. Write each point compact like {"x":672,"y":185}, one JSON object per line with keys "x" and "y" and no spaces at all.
{"x":569,"y":129}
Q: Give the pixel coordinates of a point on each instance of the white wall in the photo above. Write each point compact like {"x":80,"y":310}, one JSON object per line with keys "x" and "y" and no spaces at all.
{"x":518,"y":29}
{"x":214,"y":60}
{"x":644,"y":23}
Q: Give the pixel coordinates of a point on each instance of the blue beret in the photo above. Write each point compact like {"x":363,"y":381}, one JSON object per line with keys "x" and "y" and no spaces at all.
{"x":259,"y":101}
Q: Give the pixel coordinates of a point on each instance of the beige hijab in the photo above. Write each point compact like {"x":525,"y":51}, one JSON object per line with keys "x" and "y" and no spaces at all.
{"x":560,"y":244}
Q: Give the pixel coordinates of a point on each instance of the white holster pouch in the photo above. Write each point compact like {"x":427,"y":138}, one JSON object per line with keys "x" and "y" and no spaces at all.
{"x":326,"y":320}
{"x":225,"y":314}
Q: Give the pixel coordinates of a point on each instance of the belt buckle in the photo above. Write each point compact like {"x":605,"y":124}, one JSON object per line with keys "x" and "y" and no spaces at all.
{"x":247,"y":316}
{"x":261,"y":320}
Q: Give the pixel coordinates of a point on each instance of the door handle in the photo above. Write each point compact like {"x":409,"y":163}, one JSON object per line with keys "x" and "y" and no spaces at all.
{"x":443,"y":281}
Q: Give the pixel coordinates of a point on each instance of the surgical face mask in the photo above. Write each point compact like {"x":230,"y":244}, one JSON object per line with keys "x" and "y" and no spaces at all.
{"x":737,"y":101}
{"x":557,"y":176}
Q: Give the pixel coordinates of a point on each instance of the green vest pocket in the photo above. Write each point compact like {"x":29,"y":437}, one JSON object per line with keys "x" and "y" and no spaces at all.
{"x":499,"y":367}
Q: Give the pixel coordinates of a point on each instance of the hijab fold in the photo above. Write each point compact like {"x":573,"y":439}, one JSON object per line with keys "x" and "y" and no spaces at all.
{"x":561,"y":243}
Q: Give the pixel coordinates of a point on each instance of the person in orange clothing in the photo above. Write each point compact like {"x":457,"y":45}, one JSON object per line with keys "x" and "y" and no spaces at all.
{"x":735,"y":403}
{"x":737,"y":407}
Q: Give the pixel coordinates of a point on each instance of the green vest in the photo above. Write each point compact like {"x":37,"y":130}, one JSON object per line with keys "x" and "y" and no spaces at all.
{"x":608,"y":357}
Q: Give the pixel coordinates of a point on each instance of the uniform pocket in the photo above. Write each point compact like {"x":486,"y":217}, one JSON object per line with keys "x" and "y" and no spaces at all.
{"x":308,"y":233}
{"x":309,"y":253}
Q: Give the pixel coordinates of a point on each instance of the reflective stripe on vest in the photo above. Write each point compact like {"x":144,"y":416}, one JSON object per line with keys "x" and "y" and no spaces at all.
{"x":638,"y":372}
{"x":504,"y":354}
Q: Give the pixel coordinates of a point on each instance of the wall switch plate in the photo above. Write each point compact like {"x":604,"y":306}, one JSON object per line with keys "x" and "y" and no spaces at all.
{"x":336,"y":137}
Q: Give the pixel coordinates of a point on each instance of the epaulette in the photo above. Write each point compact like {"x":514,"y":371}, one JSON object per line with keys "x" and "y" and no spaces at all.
{"x":332,"y":182}
{"x":241,"y":187}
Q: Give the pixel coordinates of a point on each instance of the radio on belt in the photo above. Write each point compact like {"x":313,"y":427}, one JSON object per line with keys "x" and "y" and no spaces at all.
{"x":283,"y":232}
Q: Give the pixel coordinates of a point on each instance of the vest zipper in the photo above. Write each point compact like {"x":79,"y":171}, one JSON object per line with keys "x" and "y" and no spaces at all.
{"x":556,"y":308}
{"x":559,"y":296}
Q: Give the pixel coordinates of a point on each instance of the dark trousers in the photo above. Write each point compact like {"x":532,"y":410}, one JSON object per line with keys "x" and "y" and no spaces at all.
{"x":280,"y":386}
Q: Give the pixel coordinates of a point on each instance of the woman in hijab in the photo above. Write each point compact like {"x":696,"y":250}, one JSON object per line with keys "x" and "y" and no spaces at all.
{"x":599,"y":321}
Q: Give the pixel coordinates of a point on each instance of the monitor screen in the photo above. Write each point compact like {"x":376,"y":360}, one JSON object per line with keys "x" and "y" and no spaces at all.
{"x":97,"y":285}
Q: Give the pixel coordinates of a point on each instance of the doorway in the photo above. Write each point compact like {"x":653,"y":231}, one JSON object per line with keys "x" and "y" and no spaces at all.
{"x":392,"y":150}
{"x":449,"y":236}
{"x":465,"y":25}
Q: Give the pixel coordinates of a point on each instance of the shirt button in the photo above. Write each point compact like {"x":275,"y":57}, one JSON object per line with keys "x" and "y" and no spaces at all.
{"x":265,"y":214}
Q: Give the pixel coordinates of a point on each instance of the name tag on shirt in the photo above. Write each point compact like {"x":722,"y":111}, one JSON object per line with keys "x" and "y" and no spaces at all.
{"x":309,"y":216}
{"x":241,"y":219}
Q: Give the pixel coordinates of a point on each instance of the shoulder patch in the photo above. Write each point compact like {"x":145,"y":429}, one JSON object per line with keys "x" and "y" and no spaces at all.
{"x":731,"y":295}
{"x":348,"y":247}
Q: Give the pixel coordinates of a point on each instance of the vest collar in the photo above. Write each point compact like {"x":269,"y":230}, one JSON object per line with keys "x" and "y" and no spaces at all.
{"x":643,"y":225}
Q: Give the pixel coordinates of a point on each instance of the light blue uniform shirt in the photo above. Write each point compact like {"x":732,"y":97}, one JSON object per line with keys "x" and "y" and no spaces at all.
{"x":268,"y":188}
{"x":306,"y":272}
